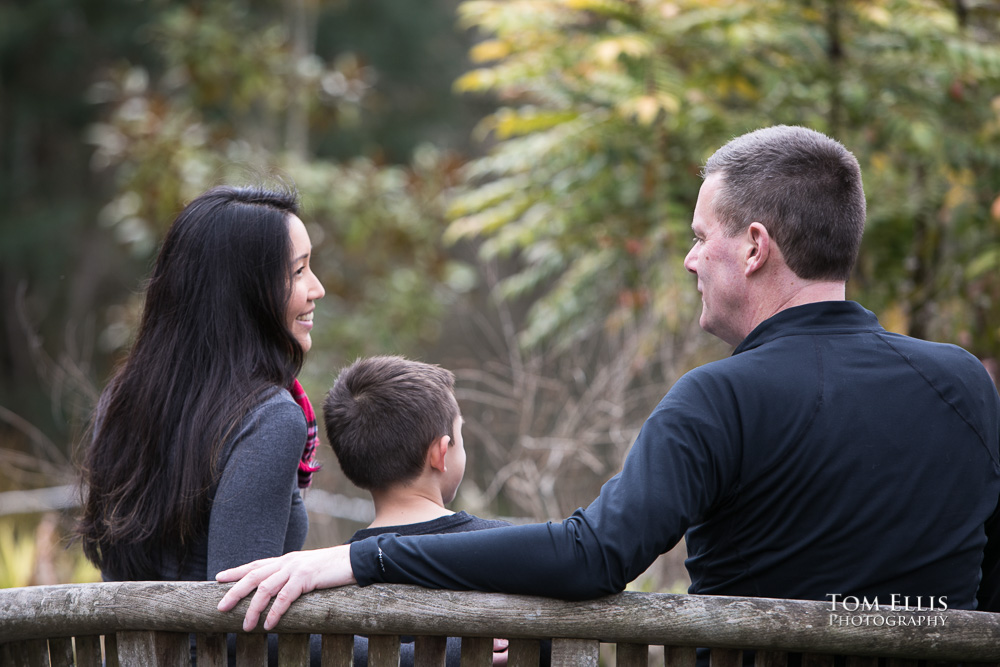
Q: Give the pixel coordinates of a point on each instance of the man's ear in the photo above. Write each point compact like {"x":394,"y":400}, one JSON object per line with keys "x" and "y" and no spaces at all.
{"x":759,"y":246}
{"x":437,"y":451}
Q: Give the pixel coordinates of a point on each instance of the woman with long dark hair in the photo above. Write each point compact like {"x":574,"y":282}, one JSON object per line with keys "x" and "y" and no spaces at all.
{"x":203,"y":437}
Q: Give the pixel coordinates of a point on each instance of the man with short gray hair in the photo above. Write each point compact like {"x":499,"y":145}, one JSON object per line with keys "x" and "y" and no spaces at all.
{"x":826,"y":456}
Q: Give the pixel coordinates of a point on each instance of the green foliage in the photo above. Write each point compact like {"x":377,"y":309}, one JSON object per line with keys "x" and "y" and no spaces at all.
{"x":17,"y":557}
{"x":378,"y":251}
{"x":584,"y":179}
{"x":33,"y":552}
{"x":236,"y":90}
{"x":610,"y":107}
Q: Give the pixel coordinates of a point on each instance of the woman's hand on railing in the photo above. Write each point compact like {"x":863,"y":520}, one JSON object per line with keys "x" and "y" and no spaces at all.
{"x":284,"y":578}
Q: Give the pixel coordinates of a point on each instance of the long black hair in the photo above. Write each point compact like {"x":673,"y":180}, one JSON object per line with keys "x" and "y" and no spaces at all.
{"x":212,"y":343}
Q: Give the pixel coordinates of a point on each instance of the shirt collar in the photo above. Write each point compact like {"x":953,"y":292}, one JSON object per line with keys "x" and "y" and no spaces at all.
{"x":811,"y":318}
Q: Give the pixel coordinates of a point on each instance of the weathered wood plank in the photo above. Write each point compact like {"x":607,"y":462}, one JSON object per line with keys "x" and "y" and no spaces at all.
{"x":211,"y":649}
{"x":61,"y":652}
{"x":817,"y":660}
{"x":88,"y":651}
{"x":383,"y":650}
{"x":575,"y":652}
{"x":163,"y":649}
{"x":338,"y":650}
{"x":251,"y":650}
{"x":680,"y":656}
{"x":430,"y":651}
{"x":523,"y":653}
{"x":861,"y":661}
{"x":771,"y":659}
{"x":477,"y":651}
{"x":30,"y":653}
{"x":672,"y":620}
{"x":111,"y":649}
{"x":293,"y":650}
{"x":631,"y":655}
{"x":726,"y":657}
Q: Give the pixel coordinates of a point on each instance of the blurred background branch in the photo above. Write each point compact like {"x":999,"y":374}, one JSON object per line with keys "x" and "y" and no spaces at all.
{"x":501,"y":187}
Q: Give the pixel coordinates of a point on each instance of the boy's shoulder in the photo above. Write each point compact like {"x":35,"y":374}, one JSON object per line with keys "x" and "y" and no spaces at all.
{"x":459,"y":522}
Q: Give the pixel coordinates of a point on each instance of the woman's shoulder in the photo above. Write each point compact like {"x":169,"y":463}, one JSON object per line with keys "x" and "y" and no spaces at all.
{"x":277,"y":410}
{"x":274,"y":420}
{"x":279,"y":400}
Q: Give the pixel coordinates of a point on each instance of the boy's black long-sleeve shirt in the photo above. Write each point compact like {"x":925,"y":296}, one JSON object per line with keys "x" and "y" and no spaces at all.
{"x":825,"y":456}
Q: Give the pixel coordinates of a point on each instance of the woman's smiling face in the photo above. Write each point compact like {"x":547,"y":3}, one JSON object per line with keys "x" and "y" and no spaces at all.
{"x":306,"y":288}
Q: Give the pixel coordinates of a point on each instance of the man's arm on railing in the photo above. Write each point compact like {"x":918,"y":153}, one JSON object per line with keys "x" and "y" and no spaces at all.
{"x":285,"y":578}
{"x":641,"y":512}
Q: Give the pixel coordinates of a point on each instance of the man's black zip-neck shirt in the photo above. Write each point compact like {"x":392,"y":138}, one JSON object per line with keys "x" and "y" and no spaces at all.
{"x":826,"y":456}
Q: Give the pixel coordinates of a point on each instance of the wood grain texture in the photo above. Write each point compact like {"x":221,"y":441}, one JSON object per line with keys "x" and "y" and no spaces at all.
{"x":293,"y":649}
{"x":477,"y":651}
{"x":726,"y":657}
{"x":111,"y":649}
{"x":88,"y":651}
{"x":680,"y":656}
{"x":430,"y":651}
{"x":773,"y":659}
{"x":163,"y":649}
{"x":638,"y":618}
{"x":211,"y":650}
{"x":632,"y":655}
{"x":30,"y":653}
{"x":383,"y":651}
{"x":523,"y":653}
{"x":338,"y":650}
{"x":61,"y":652}
{"x":575,"y":652}
{"x":251,"y":650}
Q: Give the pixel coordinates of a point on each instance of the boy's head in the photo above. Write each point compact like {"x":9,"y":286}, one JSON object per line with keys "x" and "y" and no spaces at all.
{"x":382,"y":416}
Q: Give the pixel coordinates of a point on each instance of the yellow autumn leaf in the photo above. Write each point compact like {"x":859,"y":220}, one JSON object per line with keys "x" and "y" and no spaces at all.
{"x":880,"y":16}
{"x":647,"y":108}
{"x":599,"y":6}
{"x":477,"y":79}
{"x":880,"y":161}
{"x":607,"y":51}
{"x":491,"y":49}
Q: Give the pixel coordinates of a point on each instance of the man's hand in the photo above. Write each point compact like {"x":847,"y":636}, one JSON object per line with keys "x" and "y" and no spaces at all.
{"x":285,"y":578}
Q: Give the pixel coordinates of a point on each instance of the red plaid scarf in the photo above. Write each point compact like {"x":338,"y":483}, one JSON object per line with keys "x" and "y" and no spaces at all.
{"x":308,"y":465}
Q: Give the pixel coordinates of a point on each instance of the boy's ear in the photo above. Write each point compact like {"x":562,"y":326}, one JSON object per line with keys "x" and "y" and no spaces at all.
{"x":437,"y":452}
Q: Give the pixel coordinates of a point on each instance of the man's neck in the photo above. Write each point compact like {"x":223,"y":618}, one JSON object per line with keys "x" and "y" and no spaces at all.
{"x":797,"y":293}
{"x":813,"y":292}
{"x":400,"y":506}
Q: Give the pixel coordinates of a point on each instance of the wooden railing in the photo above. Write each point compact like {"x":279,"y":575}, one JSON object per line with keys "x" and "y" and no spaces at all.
{"x":148,"y":623}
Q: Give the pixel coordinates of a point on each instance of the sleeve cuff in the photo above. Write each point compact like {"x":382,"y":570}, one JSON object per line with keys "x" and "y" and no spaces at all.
{"x":367,"y":562}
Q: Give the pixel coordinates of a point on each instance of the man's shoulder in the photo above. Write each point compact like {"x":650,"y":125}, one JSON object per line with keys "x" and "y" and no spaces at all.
{"x":949,"y":368}
{"x":929,"y":348}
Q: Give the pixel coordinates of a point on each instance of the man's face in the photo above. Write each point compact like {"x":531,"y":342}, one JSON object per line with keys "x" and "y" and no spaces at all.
{"x":717,"y":261}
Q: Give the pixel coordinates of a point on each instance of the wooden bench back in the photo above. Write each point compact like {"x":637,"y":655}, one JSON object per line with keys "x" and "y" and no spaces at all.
{"x":150,"y":623}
